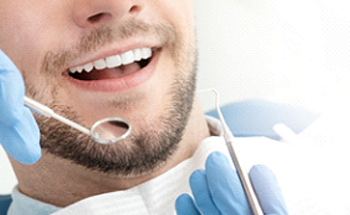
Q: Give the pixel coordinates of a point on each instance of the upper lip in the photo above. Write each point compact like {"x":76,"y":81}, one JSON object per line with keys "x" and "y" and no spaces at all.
{"x":111,"y":52}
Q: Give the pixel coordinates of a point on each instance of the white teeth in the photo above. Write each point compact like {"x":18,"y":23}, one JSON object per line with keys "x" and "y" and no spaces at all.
{"x":146,"y":53}
{"x":115,"y":60}
{"x":80,"y":69}
{"x":127,"y":58}
{"x":137,"y":54}
{"x":88,"y":67}
{"x":100,"y":64}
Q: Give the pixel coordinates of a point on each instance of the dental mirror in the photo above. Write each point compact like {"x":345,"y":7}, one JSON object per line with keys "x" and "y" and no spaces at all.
{"x":110,"y":130}
{"x":105,"y":131}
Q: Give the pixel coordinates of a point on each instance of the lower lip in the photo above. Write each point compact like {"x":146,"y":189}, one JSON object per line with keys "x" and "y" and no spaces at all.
{"x":119,"y":84}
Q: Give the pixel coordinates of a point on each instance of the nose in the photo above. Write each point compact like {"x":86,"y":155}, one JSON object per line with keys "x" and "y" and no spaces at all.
{"x":89,"y":13}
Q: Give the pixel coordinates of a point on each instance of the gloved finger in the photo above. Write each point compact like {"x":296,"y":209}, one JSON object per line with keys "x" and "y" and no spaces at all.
{"x":19,"y":133}
{"x":224,"y":185}
{"x":11,"y":92}
{"x":184,"y":205}
{"x":267,"y":190}
{"x":21,"y":141}
{"x":201,"y":193}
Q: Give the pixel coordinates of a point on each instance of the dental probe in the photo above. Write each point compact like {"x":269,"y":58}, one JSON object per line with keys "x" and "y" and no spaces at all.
{"x":229,"y":138}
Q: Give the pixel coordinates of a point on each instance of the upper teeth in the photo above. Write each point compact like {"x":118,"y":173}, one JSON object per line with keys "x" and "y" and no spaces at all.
{"x":115,"y":60}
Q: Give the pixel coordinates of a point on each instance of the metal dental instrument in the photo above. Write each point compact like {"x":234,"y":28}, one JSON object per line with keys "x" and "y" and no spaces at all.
{"x":105,"y":131}
{"x":229,"y":138}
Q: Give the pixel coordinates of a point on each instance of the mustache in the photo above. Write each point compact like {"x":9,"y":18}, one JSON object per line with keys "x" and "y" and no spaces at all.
{"x":56,"y":60}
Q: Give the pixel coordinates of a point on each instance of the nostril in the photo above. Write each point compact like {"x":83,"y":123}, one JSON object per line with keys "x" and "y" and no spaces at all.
{"x":134,"y":9}
{"x":95,"y":18}
{"x":99,"y":16}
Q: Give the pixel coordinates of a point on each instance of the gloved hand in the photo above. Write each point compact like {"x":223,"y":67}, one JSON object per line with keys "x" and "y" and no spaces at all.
{"x":19,"y":132}
{"x":217,"y":190}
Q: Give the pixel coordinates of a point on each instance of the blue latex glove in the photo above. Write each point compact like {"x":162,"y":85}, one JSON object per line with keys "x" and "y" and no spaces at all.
{"x":217,"y":190}
{"x":19,"y":132}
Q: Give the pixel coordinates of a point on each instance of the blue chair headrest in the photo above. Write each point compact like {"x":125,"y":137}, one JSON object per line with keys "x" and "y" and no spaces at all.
{"x":257,"y":117}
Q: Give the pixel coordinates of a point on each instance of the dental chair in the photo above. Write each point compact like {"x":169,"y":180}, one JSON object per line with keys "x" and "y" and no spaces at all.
{"x":5,"y":201}
{"x":249,"y":118}
{"x":246,"y":119}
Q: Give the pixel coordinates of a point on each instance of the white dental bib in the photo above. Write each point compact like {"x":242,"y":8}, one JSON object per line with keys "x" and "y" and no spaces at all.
{"x":156,"y":196}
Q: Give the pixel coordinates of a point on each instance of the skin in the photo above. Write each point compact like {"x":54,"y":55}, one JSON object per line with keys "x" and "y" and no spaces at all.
{"x":31,"y":30}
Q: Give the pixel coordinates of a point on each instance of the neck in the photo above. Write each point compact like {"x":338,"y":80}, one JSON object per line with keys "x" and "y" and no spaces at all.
{"x":59,"y":182}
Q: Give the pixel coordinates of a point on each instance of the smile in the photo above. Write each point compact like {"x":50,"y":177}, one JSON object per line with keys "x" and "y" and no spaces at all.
{"x":115,"y":72}
{"x":121,"y":65}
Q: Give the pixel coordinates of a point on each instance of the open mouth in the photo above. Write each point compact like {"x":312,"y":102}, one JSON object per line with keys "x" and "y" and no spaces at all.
{"x":112,"y":67}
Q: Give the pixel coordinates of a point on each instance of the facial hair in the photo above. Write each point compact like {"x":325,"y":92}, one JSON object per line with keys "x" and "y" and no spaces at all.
{"x":145,"y":149}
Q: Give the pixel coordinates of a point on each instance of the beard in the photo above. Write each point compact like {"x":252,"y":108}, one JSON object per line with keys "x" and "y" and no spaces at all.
{"x":145,"y":150}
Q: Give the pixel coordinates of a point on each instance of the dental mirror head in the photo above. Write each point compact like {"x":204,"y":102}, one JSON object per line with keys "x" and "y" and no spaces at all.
{"x":106,"y":131}
{"x":110,"y":130}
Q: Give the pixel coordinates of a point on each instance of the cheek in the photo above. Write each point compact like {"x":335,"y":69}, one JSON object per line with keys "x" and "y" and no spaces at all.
{"x":180,"y":11}
{"x":180,"y":14}
{"x":29,"y":28}
{"x":18,"y":31}
{"x":20,"y":40}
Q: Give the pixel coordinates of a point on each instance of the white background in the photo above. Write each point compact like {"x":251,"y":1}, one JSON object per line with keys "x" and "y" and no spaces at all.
{"x":285,"y":51}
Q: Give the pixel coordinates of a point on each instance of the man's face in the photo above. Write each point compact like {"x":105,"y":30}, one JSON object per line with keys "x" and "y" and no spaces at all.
{"x":70,"y":52}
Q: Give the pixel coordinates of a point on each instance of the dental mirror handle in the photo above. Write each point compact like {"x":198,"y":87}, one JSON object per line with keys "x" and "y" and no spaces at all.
{"x":46,"y":111}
